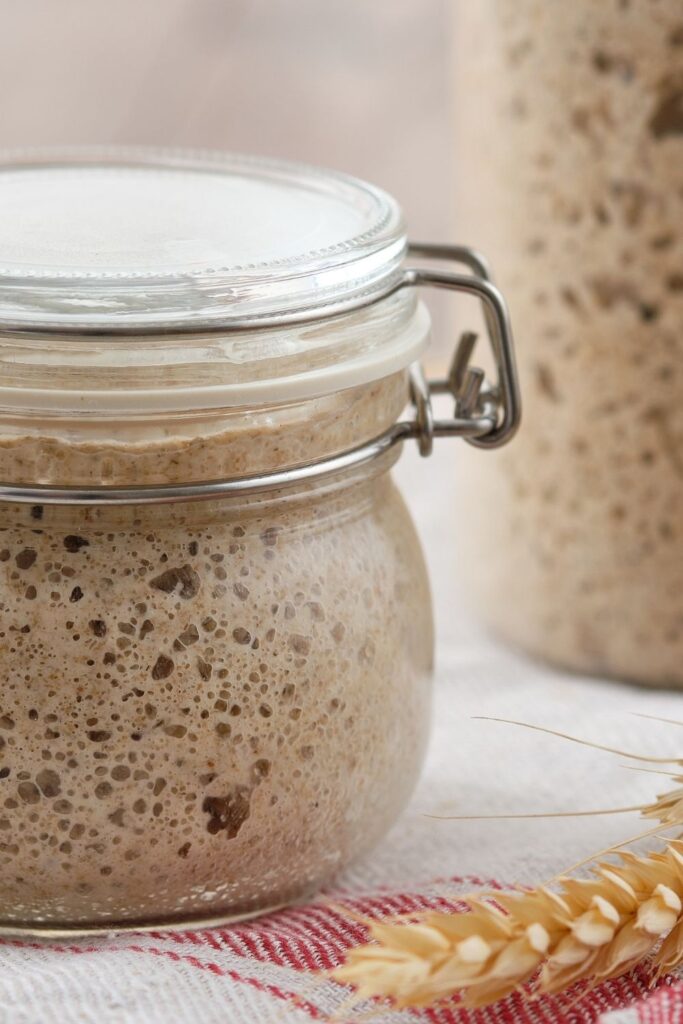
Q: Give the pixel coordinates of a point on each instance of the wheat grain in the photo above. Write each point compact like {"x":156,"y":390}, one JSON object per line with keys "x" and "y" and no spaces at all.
{"x":540,"y":941}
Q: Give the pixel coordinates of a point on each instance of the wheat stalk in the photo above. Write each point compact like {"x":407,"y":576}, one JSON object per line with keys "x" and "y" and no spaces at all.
{"x":591,"y":929}
{"x":536,"y":941}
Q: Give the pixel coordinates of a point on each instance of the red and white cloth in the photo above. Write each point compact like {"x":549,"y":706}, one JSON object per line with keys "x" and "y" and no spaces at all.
{"x":267,"y":970}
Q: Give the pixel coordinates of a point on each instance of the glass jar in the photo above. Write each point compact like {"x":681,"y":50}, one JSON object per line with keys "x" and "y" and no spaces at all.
{"x":216,"y":627}
{"x":571,"y":140}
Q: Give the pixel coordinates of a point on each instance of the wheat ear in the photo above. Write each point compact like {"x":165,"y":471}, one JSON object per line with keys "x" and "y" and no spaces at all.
{"x":541,"y":941}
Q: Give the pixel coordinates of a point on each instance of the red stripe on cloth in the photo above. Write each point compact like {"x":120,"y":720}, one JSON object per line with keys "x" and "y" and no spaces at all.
{"x":314,"y":938}
{"x":565,"y":1009}
{"x":663,"y":1006}
{"x":274,"y":990}
{"x":213,"y":968}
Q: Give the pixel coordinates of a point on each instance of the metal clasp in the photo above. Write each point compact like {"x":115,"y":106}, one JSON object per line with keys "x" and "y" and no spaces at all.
{"x":486,"y":414}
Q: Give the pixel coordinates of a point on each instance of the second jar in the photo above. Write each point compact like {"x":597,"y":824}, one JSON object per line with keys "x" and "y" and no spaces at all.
{"x":571,"y":148}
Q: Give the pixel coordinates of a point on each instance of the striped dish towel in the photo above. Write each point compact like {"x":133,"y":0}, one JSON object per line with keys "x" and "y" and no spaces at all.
{"x":269,"y":971}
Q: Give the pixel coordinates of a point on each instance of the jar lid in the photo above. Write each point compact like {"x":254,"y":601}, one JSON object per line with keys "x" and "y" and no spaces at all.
{"x":132,"y":240}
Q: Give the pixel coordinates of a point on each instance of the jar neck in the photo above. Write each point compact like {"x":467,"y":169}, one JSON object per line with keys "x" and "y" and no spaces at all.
{"x":343,"y":493}
{"x":176,"y":409}
{"x":220,"y":445}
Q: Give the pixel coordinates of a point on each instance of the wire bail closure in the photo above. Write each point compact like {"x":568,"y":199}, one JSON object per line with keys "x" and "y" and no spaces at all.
{"x":486,"y":414}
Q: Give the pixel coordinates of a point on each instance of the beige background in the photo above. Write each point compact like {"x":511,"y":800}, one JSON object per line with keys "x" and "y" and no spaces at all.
{"x":360,"y":85}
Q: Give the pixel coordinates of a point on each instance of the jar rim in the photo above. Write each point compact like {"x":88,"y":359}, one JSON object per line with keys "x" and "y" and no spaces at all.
{"x":120,"y":240}
{"x":275,"y":282}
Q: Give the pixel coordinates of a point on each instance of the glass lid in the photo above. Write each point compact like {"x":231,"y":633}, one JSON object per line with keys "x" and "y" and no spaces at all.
{"x":131,"y":240}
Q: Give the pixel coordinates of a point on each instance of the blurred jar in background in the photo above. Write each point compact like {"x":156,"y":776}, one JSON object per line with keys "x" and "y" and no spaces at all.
{"x":570,"y":148}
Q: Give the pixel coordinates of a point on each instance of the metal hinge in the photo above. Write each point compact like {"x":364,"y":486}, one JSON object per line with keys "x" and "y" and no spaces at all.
{"x":486,"y":414}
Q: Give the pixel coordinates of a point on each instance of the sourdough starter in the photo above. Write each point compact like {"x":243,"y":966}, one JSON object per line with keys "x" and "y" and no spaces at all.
{"x":571,"y":145}
{"x":207,"y":709}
